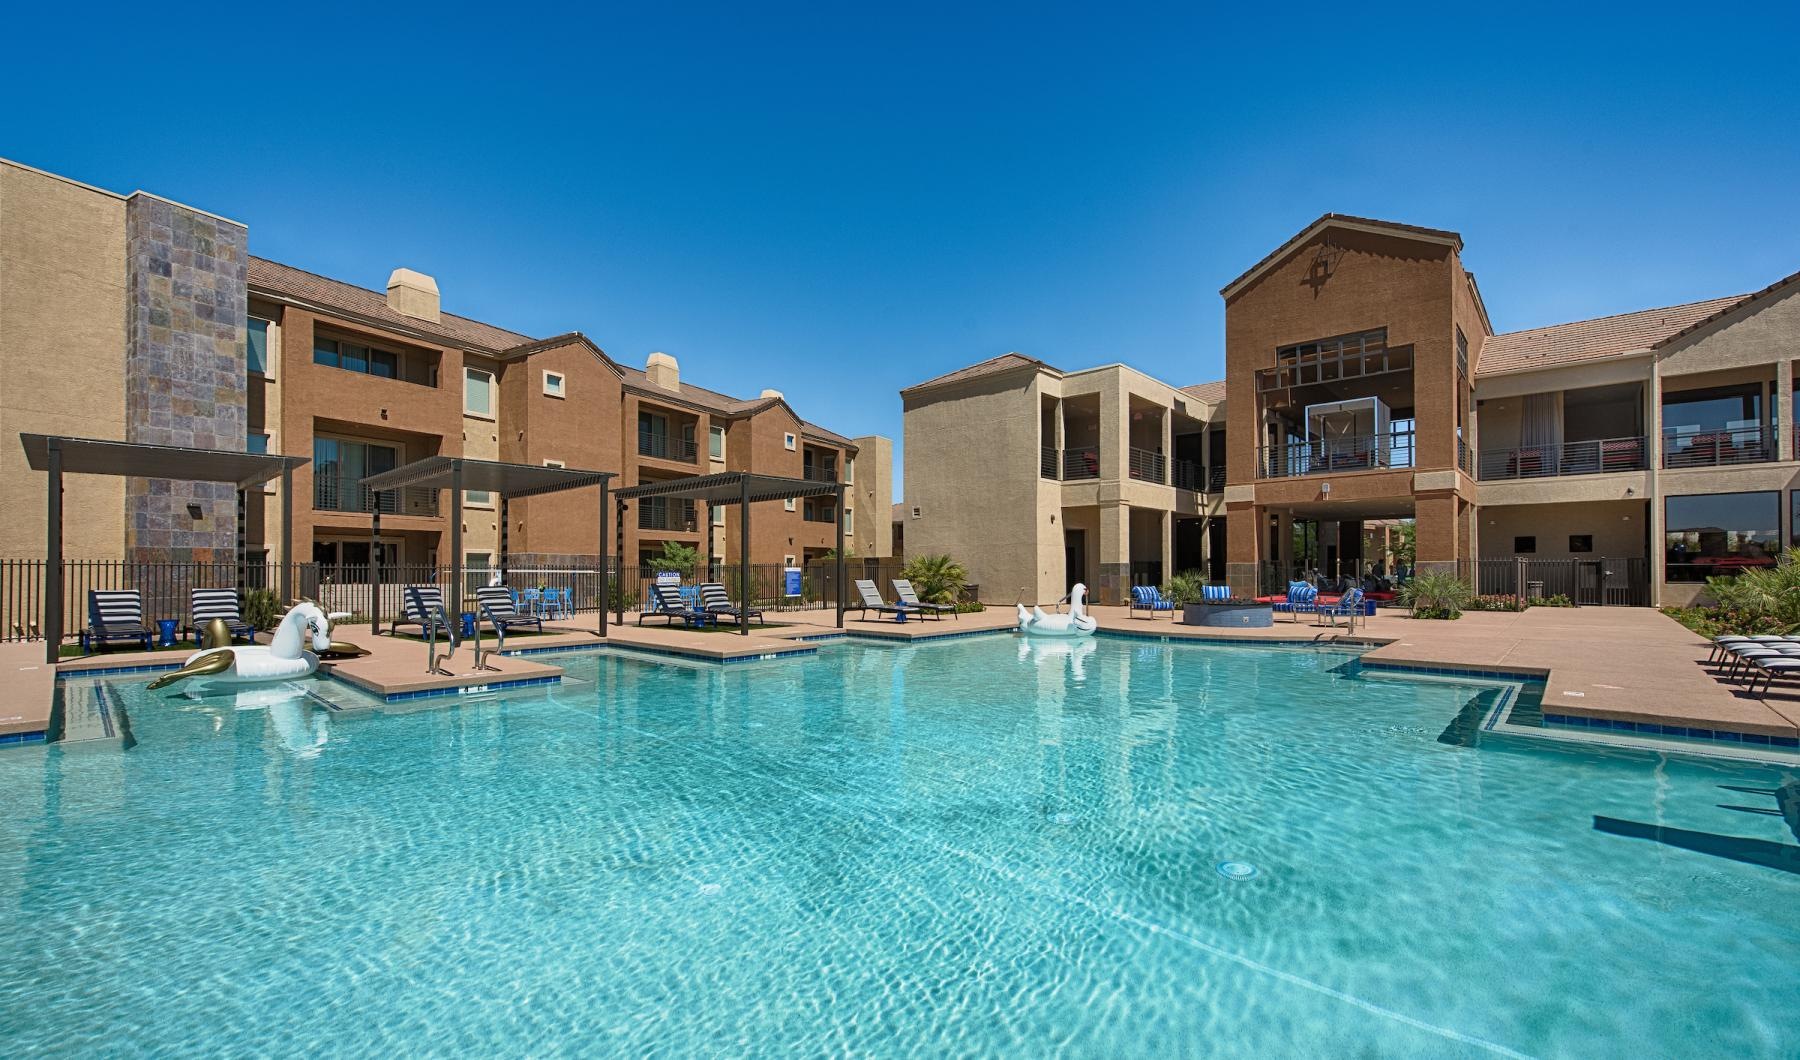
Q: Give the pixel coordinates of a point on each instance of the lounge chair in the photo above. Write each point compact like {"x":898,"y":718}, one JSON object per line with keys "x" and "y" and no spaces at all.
{"x":499,"y":611}
{"x":208,"y":605}
{"x":670,"y":606}
{"x":423,"y":606}
{"x":1215,"y":594}
{"x":1349,"y":606}
{"x":1150,"y":598}
{"x":115,"y":615}
{"x":871,"y":600}
{"x":903,"y":591}
{"x":714,"y":600}
{"x":1301,"y":599}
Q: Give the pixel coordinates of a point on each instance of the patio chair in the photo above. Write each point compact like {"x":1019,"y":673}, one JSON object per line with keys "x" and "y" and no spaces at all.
{"x":499,"y":611}
{"x":1349,"y":606}
{"x":207,"y":605}
{"x":1301,"y":599}
{"x":1149,"y":598}
{"x":716,"y":601}
{"x":1215,"y":594}
{"x":115,"y":615}
{"x":423,"y":606}
{"x":903,"y":591}
{"x":870,"y":600}
{"x":669,"y":606}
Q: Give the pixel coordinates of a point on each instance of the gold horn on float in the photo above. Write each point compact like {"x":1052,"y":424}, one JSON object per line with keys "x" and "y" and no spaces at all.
{"x":343,"y":649}
{"x":216,"y":635}
{"x":214,"y":663}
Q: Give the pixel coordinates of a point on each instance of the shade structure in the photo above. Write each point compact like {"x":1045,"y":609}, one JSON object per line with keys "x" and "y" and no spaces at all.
{"x":456,"y":474}
{"x":744,"y":488}
{"x":59,"y":454}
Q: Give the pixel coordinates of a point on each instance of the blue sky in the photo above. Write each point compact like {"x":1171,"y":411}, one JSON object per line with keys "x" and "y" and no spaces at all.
{"x":838,"y":203}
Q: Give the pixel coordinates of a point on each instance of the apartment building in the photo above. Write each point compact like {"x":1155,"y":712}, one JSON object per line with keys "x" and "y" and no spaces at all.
{"x":136,"y":317}
{"x":1365,"y":387}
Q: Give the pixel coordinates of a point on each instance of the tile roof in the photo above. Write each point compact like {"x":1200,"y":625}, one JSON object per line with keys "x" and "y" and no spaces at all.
{"x":1775,"y":288}
{"x":1006,"y":362}
{"x":723,"y":404}
{"x":272,"y":277}
{"x":1591,"y":340}
{"x":1213,"y":392}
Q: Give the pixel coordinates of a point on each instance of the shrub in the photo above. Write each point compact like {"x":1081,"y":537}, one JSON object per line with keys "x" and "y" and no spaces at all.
{"x":676,"y":557}
{"x":619,"y":599}
{"x":261,"y":607}
{"x":1500,"y":602}
{"x":1188,"y":587}
{"x":970,"y":607}
{"x":937,"y":579}
{"x":1556,"y":600}
{"x":1436,"y":594}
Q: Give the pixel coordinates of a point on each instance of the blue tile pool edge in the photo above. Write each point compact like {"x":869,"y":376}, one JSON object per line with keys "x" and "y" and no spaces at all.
{"x":1645,"y":728}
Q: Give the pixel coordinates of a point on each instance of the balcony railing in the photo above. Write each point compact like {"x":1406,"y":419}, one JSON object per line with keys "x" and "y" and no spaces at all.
{"x":1714,"y":447}
{"x":1081,"y":463}
{"x":1188,"y":475}
{"x":1464,"y":459}
{"x":1146,"y":466}
{"x":679,"y":519}
{"x":1570,"y":458}
{"x":818,"y":514}
{"x":662,"y":447}
{"x":1047,"y":462}
{"x":821,"y":473}
{"x":346,"y":493}
{"x":1326,"y":456}
{"x":1215,"y":478}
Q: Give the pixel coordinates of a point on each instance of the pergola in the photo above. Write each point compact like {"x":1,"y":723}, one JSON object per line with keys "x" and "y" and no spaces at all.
{"x":744,"y":488}
{"x":456,"y":474}
{"x":57,"y":454}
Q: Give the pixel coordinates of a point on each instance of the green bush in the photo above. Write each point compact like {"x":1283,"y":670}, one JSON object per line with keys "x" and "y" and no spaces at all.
{"x":937,"y":579}
{"x":1436,"y":594}
{"x":1556,"y":600}
{"x":1188,"y":587}
{"x":261,"y":608}
{"x":618,"y":599}
{"x":1500,"y":602}
{"x":676,"y":557}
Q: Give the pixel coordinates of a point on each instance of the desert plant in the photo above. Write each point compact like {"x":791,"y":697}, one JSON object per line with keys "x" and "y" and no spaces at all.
{"x":1765,"y":599}
{"x":676,"y":557}
{"x":1188,"y":587}
{"x":261,"y":607}
{"x":937,"y":579}
{"x":1496,"y":602}
{"x":1436,"y":594}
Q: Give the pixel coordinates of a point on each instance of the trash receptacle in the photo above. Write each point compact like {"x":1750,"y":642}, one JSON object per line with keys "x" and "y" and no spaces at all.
{"x":1534,"y":590}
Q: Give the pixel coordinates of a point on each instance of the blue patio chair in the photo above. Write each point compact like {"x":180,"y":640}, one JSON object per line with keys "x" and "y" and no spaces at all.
{"x":1216,"y":594}
{"x":1150,"y":598}
{"x":497,"y":610}
{"x":115,"y":614}
{"x":669,"y":605}
{"x":1301,"y":599}
{"x":1350,"y":606}
{"x":714,"y":599}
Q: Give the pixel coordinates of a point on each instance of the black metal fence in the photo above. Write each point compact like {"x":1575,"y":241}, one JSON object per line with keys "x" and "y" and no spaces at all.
{"x":1613,"y":581}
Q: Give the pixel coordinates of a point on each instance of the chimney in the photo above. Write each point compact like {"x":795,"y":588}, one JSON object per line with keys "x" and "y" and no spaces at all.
{"x":413,"y":294}
{"x":776,"y":394}
{"x":663,"y":371}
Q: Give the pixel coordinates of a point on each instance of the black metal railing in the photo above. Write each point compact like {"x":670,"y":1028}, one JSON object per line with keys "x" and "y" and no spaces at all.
{"x":1048,"y":466}
{"x":680,"y":518}
{"x":820,"y":473}
{"x":1146,"y":466}
{"x":662,"y":447}
{"x":1083,"y":463}
{"x":1325,"y":456}
{"x":1570,"y":458}
{"x":345,"y":493}
{"x":1613,"y":581}
{"x":1215,"y":478}
{"x":1714,"y":447}
{"x":1464,"y":459}
{"x":1188,"y":475}
{"x":818,"y":513}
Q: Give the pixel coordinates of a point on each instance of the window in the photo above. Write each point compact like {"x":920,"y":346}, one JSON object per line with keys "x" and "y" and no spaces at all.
{"x":478,"y":498}
{"x":355,"y":357}
{"x":718,"y":515}
{"x":1719,"y":533}
{"x":1581,"y":543}
{"x":787,"y":561}
{"x":256,"y":442}
{"x":1524,"y":546}
{"x":256,"y":346}
{"x":554,"y":463}
{"x":478,"y":392}
{"x":715,"y":441}
{"x":849,"y":520}
{"x":849,"y":470}
{"x":339,"y":468}
{"x":790,"y":441}
{"x":554,"y":384}
{"x":788,"y":505}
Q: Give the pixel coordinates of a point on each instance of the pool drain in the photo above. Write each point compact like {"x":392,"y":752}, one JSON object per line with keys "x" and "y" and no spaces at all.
{"x":1237,"y":870}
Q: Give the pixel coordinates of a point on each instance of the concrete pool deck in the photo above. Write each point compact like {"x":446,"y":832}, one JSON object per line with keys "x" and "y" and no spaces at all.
{"x":1619,"y":664}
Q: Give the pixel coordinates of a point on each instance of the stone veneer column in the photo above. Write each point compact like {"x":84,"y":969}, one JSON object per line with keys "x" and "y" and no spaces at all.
{"x":184,"y":373}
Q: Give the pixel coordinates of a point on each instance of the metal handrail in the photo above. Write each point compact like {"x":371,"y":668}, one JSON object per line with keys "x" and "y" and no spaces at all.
{"x":1188,"y":475}
{"x":1081,"y":463}
{"x":346,"y":493}
{"x":1215,"y":478}
{"x":682,"y":519}
{"x":820,"y":473}
{"x":1144,"y":465}
{"x":1714,"y":447}
{"x":1325,"y":456}
{"x":662,"y":447}
{"x":1048,"y":465}
{"x":1591,"y":457}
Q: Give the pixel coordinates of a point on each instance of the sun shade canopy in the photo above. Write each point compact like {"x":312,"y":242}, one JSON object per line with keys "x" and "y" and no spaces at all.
{"x":731,"y":487}
{"x":510,"y":480}
{"x":94,"y":456}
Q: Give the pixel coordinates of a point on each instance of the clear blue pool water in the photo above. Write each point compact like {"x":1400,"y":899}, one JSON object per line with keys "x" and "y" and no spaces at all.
{"x":965,"y":848}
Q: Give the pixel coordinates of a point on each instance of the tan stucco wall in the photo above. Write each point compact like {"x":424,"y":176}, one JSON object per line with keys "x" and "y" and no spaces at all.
{"x":1616,"y":526}
{"x":62,"y":354}
{"x":871,"y":497}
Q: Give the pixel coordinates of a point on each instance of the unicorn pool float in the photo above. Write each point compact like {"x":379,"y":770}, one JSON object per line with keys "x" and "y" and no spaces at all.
{"x":284,"y":658}
{"x":1077,"y":623}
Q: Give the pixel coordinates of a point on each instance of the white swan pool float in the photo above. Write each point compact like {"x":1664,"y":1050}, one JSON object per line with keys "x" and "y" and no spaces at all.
{"x":284,"y":658}
{"x":1077,"y":623}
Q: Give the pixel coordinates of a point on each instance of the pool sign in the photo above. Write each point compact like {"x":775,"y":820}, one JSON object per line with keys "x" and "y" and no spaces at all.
{"x":791,"y":581}
{"x":668,"y":577}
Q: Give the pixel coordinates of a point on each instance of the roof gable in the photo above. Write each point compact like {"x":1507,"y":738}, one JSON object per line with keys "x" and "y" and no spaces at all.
{"x":1006,"y":362}
{"x":273,"y":279}
{"x":1342,"y":222}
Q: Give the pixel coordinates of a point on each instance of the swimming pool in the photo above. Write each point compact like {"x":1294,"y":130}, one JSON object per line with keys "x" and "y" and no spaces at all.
{"x":975,"y":847}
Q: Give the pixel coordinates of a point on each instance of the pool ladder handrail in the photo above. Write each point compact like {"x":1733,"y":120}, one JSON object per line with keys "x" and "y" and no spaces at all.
{"x":433,"y":661}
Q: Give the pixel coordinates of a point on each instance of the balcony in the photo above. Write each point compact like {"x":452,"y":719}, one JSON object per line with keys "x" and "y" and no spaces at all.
{"x":1146,"y":466}
{"x":346,"y":493}
{"x":1079,"y":464}
{"x":1570,"y":458}
{"x":1328,"y":456}
{"x":679,"y":519}
{"x":1717,"y":447}
{"x":662,"y":447}
{"x":1190,"y":476}
{"x":820,"y":473}
{"x":1048,"y":465}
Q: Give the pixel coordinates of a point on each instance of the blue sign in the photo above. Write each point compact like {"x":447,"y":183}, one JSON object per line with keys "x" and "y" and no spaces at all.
{"x":792,"y":581}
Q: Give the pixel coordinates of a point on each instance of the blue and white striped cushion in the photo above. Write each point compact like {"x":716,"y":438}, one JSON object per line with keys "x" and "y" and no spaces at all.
{"x":497,"y":601}
{"x":117,"y":607}
{"x":1216,"y":593}
{"x":209,"y":604}
{"x":423,"y":601}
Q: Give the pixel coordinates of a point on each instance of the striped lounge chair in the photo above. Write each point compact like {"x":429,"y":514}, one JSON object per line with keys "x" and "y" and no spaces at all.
{"x":714,"y":600}
{"x":423,"y":606}
{"x":1150,"y":598}
{"x":670,"y":606}
{"x":1215,"y":594}
{"x":498,"y":610}
{"x":206,"y":605}
{"x":903,"y":591}
{"x":1301,"y":599}
{"x":115,"y":615}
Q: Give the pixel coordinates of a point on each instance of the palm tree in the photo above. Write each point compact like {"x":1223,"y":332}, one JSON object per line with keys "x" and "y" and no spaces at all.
{"x":937,"y":579}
